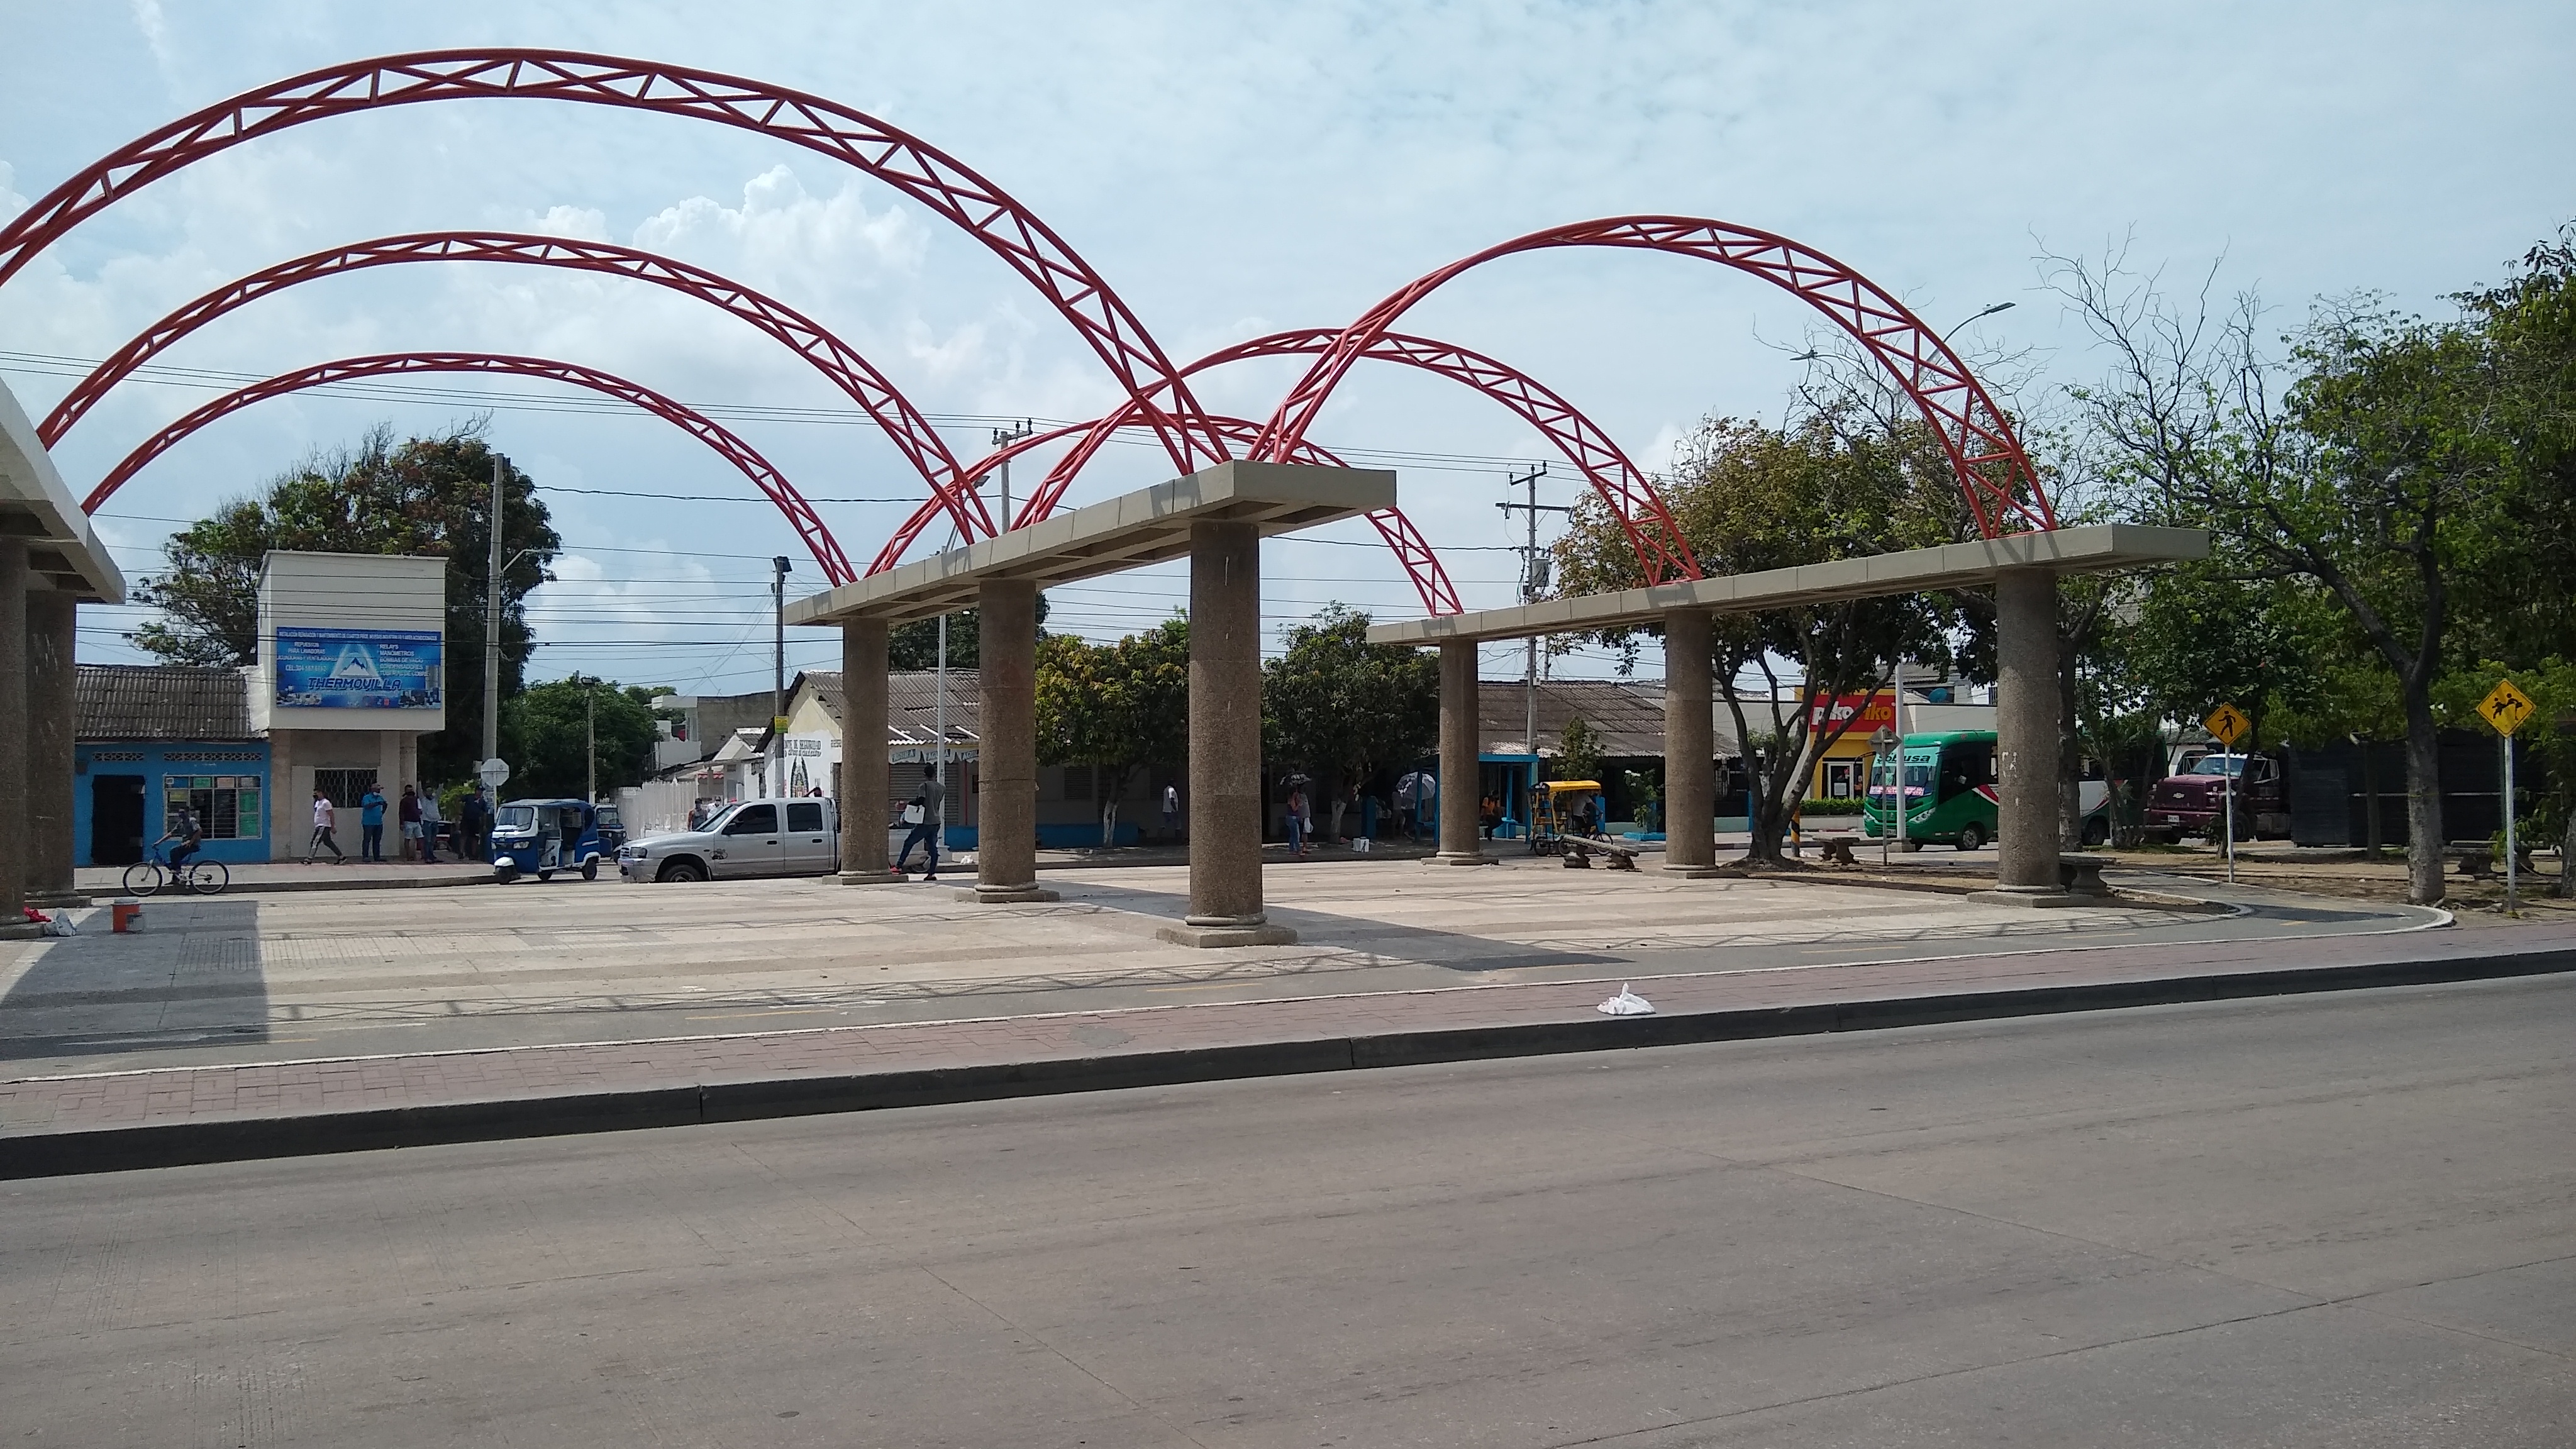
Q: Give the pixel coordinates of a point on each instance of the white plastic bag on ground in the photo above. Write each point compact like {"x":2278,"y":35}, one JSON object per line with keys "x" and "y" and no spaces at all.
{"x":1626,"y":1003}
{"x":1360,"y":845}
{"x":60,"y":924}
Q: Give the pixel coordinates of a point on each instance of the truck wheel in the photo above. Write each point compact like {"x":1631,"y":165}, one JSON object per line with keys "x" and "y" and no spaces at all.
{"x":1972,"y":836}
{"x":590,"y":868}
{"x":2097,"y":832}
{"x":545,"y":875}
{"x":683,"y":870}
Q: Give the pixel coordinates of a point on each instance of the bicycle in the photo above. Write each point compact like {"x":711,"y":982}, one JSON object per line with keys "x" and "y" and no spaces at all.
{"x":199,"y":876}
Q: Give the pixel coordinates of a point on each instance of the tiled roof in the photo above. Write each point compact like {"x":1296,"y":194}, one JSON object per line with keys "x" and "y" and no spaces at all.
{"x":910,"y":697}
{"x":1626,"y":715}
{"x":159,"y":702}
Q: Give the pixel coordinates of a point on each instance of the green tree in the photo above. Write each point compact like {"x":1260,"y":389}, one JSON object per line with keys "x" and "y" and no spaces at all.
{"x":1837,"y":482}
{"x":1338,"y":705}
{"x":1117,"y":708}
{"x":1578,"y":751}
{"x":916,"y":645}
{"x":549,"y":726}
{"x":421,"y":496}
{"x":2363,"y":466}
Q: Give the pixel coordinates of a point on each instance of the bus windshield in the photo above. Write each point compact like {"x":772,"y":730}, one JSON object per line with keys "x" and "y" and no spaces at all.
{"x":1919,"y":770}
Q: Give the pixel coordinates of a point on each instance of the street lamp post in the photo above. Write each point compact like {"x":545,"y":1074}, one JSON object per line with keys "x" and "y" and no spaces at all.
{"x":778,"y":677}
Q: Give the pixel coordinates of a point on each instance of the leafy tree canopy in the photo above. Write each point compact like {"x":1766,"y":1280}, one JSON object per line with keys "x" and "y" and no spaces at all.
{"x":547,"y":728}
{"x":1335,"y":702}
{"x":419,"y":496}
{"x":1118,"y":708}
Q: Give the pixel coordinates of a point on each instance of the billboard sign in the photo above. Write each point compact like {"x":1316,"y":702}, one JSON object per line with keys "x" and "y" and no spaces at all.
{"x":359,"y":669}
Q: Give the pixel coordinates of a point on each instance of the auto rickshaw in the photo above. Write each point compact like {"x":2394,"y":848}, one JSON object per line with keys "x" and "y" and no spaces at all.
{"x":540,"y":837}
{"x":1560,"y":809}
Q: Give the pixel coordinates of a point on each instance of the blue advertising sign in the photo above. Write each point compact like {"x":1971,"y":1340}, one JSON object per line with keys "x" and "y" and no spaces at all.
{"x":358,"y":668}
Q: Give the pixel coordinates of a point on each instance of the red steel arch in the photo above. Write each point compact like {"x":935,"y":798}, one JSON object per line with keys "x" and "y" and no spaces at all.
{"x":1992,"y":469}
{"x":809,"y":525}
{"x":920,"y":444}
{"x":923,"y":172}
{"x":1661,"y":550}
{"x":1412,"y":550}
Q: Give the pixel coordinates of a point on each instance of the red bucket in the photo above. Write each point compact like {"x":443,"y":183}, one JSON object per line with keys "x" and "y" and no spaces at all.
{"x":126,"y":916}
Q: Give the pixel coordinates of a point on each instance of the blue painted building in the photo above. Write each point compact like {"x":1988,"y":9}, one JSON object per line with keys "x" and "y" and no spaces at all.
{"x":150,"y":738}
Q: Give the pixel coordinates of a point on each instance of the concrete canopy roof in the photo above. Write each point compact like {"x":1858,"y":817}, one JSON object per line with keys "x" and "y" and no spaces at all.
{"x":2093,"y":548}
{"x":62,"y":548}
{"x":1126,"y":532}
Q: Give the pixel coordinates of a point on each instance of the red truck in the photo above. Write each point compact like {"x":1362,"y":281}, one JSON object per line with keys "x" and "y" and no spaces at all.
{"x":2193,"y":803}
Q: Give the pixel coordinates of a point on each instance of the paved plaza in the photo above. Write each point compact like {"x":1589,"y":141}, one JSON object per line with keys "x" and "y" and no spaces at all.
{"x":346,"y":973}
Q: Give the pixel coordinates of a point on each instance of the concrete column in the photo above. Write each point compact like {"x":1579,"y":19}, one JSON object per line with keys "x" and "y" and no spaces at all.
{"x":1460,"y":767}
{"x":14,"y":854}
{"x":2026,"y":729}
{"x":290,"y":811}
{"x":1006,"y":839}
{"x":389,"y":781}
{"x":1690,"y":747}
{"x":864,"y":785}
{"x":51,"y":616}
{"x":1224,"y":796}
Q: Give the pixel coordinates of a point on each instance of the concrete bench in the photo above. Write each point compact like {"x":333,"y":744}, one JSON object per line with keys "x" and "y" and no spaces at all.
{"x":2476,"y":857}
{"x":2081,"y":875}
{"x":1838,"y":849}
{"x":1578,"y":853}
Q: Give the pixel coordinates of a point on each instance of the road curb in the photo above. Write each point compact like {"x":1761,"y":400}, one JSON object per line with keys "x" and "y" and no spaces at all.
{"x":125,"y":1149}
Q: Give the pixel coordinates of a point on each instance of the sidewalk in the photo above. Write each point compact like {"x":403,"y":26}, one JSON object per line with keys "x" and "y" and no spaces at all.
{"x":107,"y":882}
{"x":117,"y":1120}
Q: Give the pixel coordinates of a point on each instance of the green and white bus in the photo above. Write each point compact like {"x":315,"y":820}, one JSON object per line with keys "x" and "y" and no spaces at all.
{"x":1948,"y":789}
{"x":1949,"y":793}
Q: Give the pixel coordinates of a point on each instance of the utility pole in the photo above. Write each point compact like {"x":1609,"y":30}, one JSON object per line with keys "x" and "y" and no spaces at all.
{"x":492,"y":626}
{"x":1534,"y":575}
{"x":590,"y":739}
{"x":778,"y":677}
{"x":1003,"y":438}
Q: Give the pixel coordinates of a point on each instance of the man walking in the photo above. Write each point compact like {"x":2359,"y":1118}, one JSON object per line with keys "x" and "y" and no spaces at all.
{"x":1172,"y":811}
{"x":429,"y":823}
{"x":409,"y":810}
{"x":371,"y":827}
{"x":325,"y":818}
{"x":923,"y":814}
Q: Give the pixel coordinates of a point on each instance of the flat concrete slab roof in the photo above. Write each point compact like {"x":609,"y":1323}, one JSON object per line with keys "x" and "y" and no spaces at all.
{"x":62,"y":549}
{"x":1129,"y":531}
{"x":2093,"y":548}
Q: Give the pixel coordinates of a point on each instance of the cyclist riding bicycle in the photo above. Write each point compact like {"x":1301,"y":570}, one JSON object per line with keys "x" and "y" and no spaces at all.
{"x":189,"y":834}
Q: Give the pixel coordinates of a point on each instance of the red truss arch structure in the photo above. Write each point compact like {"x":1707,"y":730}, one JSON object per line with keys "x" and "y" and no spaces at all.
{"x":920,"y":171}
{"x":877,"y":395}
{"x":1412,"y":550}
{"x":800,"y":514}
{"x":1662,"y":553}
{"x":1992,"y":469}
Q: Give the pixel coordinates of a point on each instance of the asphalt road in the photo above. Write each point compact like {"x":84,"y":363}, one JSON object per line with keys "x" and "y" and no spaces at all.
{"x":2340,"y":1220}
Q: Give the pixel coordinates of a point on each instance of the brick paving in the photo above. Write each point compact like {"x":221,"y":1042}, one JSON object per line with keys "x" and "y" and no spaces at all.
{"x":47,"y":1105}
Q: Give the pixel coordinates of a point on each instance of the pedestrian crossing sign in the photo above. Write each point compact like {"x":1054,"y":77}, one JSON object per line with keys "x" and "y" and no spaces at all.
{"x":2506,"y":707}
{"x":2227,"y":724}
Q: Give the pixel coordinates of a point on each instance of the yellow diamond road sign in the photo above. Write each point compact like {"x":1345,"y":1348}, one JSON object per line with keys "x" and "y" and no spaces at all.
{"x":2506,"y":707}
{"x":2227,"y":724}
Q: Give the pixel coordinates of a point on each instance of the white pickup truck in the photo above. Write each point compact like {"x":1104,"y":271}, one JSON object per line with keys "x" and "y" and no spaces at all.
{"x":747,"y":838}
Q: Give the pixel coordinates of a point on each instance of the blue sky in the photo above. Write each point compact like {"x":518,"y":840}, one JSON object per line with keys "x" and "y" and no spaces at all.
{"x":1232,"y":170}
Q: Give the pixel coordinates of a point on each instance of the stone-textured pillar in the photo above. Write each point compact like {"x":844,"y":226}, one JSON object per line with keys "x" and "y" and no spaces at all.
{"x":13,"y":732}
{"x":51,"y":618}
{"x":1461,"y":766}
{"x":864,"y":783}
{"x":2026,"y":729}
{"x":1224,"y":796}
{"x":1006,"y":835}
{"x":290,"y":811}
{"x":1690,"y":747}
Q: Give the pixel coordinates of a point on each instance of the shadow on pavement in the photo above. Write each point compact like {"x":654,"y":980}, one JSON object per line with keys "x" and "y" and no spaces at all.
{"x":192,"y":976}
{"x":1448,"y":950}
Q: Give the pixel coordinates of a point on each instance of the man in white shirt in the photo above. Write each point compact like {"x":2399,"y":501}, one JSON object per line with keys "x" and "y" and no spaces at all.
{"x":1172,"y":810}
{"x":324,"y":819}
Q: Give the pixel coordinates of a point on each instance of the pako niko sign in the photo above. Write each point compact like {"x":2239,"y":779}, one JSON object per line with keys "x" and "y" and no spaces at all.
{"x":358,"y":668}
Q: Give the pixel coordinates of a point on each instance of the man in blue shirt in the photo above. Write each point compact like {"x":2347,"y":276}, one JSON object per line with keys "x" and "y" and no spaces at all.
{"x":371,"y":826}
